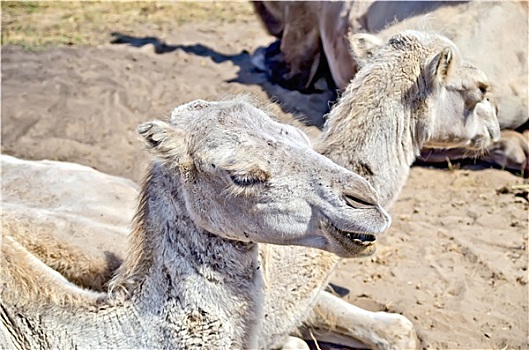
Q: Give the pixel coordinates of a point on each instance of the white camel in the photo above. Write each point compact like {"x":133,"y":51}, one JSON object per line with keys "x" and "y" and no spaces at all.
{"x":475,"y":26}
{"x":310,"y":30}
{"x":225,"y":177}
{"x":414,"y":90}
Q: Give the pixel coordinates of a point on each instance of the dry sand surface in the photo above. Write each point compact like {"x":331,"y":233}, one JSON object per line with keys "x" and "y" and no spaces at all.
{"x":454,"y":261}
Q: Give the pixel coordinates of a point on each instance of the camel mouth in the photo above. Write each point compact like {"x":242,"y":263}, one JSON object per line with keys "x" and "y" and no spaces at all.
{"x":354,"y":242}
{"x":362,"y":239}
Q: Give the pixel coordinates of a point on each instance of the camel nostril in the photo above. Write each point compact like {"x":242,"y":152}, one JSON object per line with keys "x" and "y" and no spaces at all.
{"x":358,"y":203}
{"x":494,"y":135}
{"x":490,"y":134}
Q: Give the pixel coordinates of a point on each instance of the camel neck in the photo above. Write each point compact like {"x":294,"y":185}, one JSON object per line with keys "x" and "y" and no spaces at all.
{"x":374,"y":138}
{"x":175,"y":268}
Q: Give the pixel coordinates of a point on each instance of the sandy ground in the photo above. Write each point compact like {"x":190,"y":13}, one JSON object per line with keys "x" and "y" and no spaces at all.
{"x":455,"y":260}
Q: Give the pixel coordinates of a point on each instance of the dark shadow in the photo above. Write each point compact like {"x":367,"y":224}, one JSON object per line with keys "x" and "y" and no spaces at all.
{"x":327,"y":346}
{"x":308,"y":108}
{"x":469,"y":164}
{"x":113,"y":262}
{"x":337,"y":290}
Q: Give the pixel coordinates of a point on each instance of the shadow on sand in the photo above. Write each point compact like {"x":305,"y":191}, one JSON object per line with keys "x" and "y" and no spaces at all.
{"x":309,"y":108}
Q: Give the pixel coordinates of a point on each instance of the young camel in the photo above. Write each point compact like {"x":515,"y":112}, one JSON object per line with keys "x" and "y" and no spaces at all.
{"x":413,"y":90}
{"x":225,"y":177}
{"x":310,"y":31}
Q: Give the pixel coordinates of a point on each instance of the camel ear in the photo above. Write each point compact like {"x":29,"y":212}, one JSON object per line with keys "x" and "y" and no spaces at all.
{"x":163,"y":140}
{"x":363,"y":47}
{"x":440,"y":65}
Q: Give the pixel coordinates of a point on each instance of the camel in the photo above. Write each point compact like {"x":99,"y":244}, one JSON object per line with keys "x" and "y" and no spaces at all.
{"x":426,"y":103}
{"x":310,"y":30}
{"x":225,"y":177}
{"x":58,"y":203}
{"x":440,"y":91}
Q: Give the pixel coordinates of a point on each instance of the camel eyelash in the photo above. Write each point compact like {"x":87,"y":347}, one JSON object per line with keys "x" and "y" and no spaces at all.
{"x":249,"y":178}
{"x":245,"y":180}
{"x":243,"y":184}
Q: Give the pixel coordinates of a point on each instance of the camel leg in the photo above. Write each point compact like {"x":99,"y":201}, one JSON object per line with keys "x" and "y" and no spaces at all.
{"x":87,"y":271}
{"x":295,"y":62}
{"x":335,"y":320}
{"x":333,"y":25}
{"x":90,"y":271}
{"x":511,"y":151}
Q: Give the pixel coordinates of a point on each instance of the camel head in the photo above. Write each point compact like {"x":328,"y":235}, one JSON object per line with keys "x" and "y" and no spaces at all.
{"x":248,"y":178}
{"x":447,"y":94}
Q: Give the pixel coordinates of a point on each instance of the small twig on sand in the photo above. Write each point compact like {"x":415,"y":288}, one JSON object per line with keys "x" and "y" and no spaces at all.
{"x":314,"y":340}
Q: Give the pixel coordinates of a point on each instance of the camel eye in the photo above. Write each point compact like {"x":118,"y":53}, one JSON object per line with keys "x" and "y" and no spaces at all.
{"x":244,"y":180}
{"x":249,"y":178}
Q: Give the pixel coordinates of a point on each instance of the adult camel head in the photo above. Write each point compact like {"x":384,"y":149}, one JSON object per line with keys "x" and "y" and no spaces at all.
{"x":248,"y":185}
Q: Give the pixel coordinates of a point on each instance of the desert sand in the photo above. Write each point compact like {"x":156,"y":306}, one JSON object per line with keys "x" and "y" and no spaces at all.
{"x":455,"y":259}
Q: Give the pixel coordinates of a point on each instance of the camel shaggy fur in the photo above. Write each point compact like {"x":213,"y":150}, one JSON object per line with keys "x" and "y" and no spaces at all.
{"x":225,"y":177}
{"x":471,"y":25}
{"x":377,"y":129}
